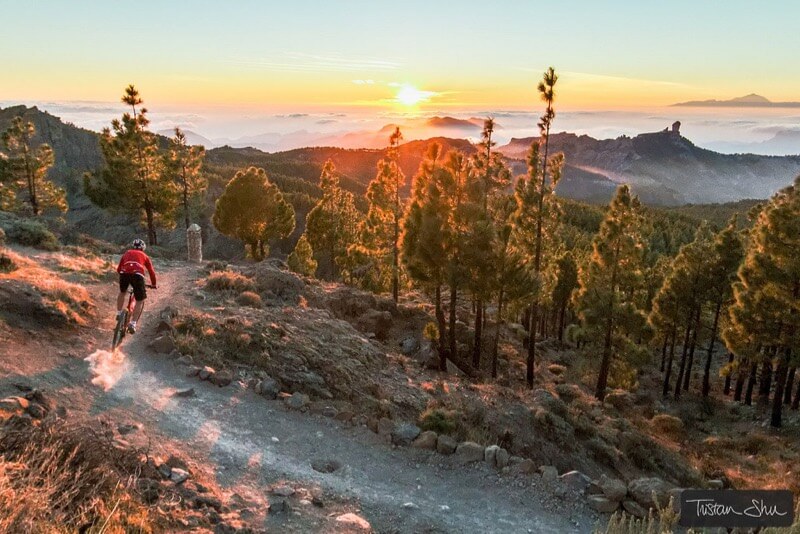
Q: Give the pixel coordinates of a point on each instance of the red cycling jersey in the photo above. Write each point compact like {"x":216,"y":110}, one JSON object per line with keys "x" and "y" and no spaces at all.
{"x":136,"y":262}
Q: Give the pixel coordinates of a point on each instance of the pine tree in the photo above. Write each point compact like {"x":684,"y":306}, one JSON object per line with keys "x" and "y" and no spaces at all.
{"x":425,"y":244}
{"x":535,"y":238}
{"x":183,"y":166}
{"x":728,"y":254}
{"x":25,"y":169}
{"x":301,"y":260}
{"x":606,"y":302}
{"x":133,"y":180}
{"x":373,"y":262}
{"x":538,"y":191}
{"x":332,"y":224}
{"x":253,"y":210}
{"x":680,"y":300}
{"x":488,"y":175}
{"x":567,"y":282}
{"x":765,"y":316}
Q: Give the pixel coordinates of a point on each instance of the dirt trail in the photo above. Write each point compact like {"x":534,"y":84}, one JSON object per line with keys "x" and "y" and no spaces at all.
{"x":250,"y":442}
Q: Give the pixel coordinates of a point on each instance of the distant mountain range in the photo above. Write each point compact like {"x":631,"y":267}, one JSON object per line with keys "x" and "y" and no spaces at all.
{"x":663,"y":168}
{"x":748,"y":101}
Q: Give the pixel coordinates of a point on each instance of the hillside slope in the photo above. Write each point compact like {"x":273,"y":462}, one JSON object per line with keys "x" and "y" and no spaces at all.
{"x":666,"y":168}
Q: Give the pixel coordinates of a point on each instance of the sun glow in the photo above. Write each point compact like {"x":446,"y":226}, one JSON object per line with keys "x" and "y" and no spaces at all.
{"x":409,"y":95}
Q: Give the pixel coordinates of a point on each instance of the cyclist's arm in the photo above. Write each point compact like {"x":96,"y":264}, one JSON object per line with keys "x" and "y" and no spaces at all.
{"x":149,"y":265}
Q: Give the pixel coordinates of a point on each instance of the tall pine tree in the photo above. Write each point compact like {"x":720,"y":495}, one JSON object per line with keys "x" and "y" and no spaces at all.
{"x":183,"y":167}
{"x":133,"y":180}
{"x":25,"y":168}
{"x":606,"y":302}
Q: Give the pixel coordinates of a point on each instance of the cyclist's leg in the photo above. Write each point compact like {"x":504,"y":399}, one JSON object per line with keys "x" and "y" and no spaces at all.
{"x":140,"y":294}
{"x":124,"y":282}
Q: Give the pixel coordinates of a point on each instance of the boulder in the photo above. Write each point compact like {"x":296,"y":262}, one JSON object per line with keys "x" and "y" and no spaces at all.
{"x":549,"y":473}
{"x":297,"y":401}
{"x":575,"y":480}
{"x":178,"y":476}
{"x":501,"y":458}
{"x":206,"y":372}
{"x":221,"y":379}
{"x":375,"y":322}
{"x":601,"y":504}
{"x":404,"y":433}
{"x":716,"y":484}
{"x":525,"y":467}
{"x":634,"y":508}
{"x":469,"y":451}
{"x":445,"y":444}
{"x":650,"y":492}
{"x":353,"y":521}
{"x":282,"y":491}
{"x":163,"y":344}
{"x":426,"y":440}
{"x":409,"y":345}
{"x":269,"y":388}
{"x":490,"y":453}
{"x":613,"y":488}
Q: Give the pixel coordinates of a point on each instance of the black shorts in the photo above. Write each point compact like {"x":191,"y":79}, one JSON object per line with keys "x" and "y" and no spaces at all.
{"x":135,"y":280}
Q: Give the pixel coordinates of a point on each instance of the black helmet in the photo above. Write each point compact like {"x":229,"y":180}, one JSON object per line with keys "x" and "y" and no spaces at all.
{"x":138,"y":244}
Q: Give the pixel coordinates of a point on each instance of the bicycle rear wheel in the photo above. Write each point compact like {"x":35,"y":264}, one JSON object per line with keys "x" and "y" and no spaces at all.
{"x":119,"y":330}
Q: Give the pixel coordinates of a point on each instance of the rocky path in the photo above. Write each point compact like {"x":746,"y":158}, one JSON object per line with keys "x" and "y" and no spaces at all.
{"x":245,"y":440}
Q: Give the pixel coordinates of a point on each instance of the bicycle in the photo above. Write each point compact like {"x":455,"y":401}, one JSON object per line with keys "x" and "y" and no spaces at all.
{"x":122,"y":320}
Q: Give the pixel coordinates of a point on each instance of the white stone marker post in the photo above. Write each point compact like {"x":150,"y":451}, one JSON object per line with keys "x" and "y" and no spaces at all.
{"x":194,"y":241}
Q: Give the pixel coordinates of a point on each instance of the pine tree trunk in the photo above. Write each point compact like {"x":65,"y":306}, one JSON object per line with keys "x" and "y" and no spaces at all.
{"x":690,"y":360}
{"x":796,"y":399}
{"x":31,"y":178}
{"x":478,"y":338}
{"x":766,"y":379}
{"x":561,"y":317}
{"x":605,"y":363}
{"x":787,"y":397}
{"x":727,"y":389}
{"x":452,"y":331}
{"x":497,"y":333}
{"x":684,"y":350}
{"x":751,"y":384}
{"x":186,"y":200}
{"x":396,"y":263}
{"x":152,"y":238}
{"x":740,"y":378}
{"x":664,"y":352}
{"x":707,"y":370}
{"x":665,"y":390}
{"x":529,"y":364}
{"x":780,"y":381}
{"x":441,"y":322}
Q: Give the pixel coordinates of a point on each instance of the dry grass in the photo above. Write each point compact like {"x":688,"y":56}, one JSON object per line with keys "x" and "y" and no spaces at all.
{"x":229,"y":281}
{"x":664,"y":521}
{"x":70,"y":301}
{"x":68,"y":478}
{"x":250,"y":299}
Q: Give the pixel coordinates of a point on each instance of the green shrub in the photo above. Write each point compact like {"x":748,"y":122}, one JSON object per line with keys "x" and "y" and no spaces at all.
{"x":250,"y":299}
{"x":32,"y":234}
{"x":439,"y":420}
{"x":7,"y":265}
{"x":229,"y":281}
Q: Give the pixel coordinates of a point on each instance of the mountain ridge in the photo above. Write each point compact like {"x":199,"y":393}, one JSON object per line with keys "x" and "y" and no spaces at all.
{"x":747,"y":101}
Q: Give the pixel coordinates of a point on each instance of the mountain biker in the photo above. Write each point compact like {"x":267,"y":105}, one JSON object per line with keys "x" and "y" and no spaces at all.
{"x":131,"y":269}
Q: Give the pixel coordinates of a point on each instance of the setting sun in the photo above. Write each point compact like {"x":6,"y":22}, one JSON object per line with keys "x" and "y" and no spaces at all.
{"x":411,"y":96}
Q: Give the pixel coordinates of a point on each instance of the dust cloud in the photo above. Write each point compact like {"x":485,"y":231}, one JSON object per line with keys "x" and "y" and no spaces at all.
{"x":106,"y":367}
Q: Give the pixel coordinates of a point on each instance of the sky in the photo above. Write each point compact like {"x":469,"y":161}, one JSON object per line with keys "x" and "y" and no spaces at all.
{"x":226,"y":64}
